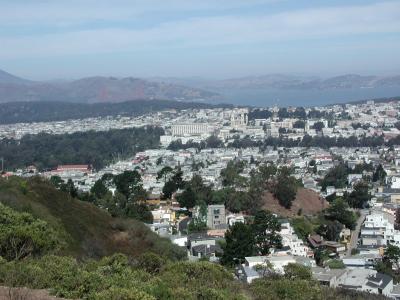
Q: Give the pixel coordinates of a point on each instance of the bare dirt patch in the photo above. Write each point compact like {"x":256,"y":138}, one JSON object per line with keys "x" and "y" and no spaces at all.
{"x":308,"y":201}
{"x":7,"y":293}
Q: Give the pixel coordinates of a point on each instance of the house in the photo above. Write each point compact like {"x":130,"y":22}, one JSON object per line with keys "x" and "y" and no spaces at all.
{"x":247,"y":274}
{"x":277,"y":262}
{"x":367,"y":280}
{"x":335,"y":247}
{"x":290,"y":240}
{"x":216,"y":216}
{"x":316,"y":241}
{"x":203,"y":245}
{"x":231,"y":219}
{"x":326,"y":276}
{"x":361,"y":261}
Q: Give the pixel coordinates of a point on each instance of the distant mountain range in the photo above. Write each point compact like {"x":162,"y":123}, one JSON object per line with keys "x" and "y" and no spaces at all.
{"x":112,"y":90}
{"x":96,"y":89}
{"x":280,"y":81}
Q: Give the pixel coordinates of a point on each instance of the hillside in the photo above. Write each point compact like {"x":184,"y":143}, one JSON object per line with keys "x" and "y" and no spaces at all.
{"x":88,"y":231}
{"x":308,"y":201}
{"x":95,"y":89}
{"x":7,"y":78}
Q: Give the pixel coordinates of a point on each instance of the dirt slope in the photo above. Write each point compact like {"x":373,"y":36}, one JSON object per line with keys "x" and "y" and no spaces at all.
{"x":308,"y":201}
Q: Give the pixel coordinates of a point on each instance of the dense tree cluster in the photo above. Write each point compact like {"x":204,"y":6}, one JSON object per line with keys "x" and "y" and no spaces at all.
{"x":25,"y":112}
{"x":324,"y":142}
{"x":257,"y":238}
{"x":129,"y":199}
{"x":211,"y":142}
{"x":91,"y":147}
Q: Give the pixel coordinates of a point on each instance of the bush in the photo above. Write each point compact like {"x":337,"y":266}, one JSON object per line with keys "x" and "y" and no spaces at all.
{"x":22,"y":235}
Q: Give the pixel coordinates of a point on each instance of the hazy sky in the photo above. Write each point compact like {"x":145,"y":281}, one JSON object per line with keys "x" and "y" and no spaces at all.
{"x":209,"y":38}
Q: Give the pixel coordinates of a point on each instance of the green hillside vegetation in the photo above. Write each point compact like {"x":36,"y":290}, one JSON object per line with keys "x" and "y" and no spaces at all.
{"x":151,"y":277}
{"x":83,"y":229}
{"x":49,"y":240}
{"x":97,"y":148}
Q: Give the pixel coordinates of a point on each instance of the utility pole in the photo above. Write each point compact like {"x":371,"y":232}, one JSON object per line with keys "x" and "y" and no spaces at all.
{"x":2,"y":165}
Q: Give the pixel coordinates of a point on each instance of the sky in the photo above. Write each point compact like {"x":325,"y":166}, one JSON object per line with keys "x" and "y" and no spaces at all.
{"x":54,"y":39}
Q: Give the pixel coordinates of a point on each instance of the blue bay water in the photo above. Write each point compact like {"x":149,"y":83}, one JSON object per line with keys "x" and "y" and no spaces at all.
{"x":305,"y":97}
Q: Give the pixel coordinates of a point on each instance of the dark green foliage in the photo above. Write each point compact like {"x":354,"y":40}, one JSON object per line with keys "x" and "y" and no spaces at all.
{"x":265,"y":228}
{"x":129,"y":184}
{"x":360,"y":196}
{"x":129,"y":199}
{"x":259,"y":114}
{"x":17,"y":112}
{"x":22,"y":235}
{"x":285,"y":188}
{"x":187,"y":198}
{"x":297,"y":271}
{"x":93,"y":148}
{"x":330,"y":230}
{"x":69,"y":188}
{"x":318,"y":126}
{"x":302,"y":226}
{"x":336,"y":177}
{"x":231,"y":174}
{"x":335,"y":264}
{"x":379,"y":175}
{"x":239,"y":244}
{"x":339,"y":211}
{"x":174,"y":183}
{"x":195,"y":192}
{"x":272,"y":288}
{"x":151,"y":263}
{"x":299,"y":124}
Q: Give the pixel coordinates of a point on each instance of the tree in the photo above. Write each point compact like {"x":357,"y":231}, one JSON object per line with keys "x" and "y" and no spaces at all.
{"x":56,"y":181}
{"x":187,"y":199}
{"x":174,"y":183}
{"x":214,"y":142}
{"x":128,"y":183}
{"x":164,"y":173}
{"x":265,"y":228}
{"x":393,"y":254}
{"x":397,"y":219}
{"x":231,"y":174}
{"x":299,"y":124}
{"x":283,"y":113}
{"x":267,"y":170}
{"x":318,"y":126}
{"x":339,"y":210}
{"x":360,"y":196}
{"x":22,"y":235}
{"x":139,"y":211}
{"x":285,"y":188}
{"x":337,"y":177}
{"x":239,"y":244}
{"x":302,"y":227}
{"x":99,"y":189}
{"x":297,"y":271}
{"x":330,"y":230}
{"x":379,"y":175}
{"x":69,"y":188}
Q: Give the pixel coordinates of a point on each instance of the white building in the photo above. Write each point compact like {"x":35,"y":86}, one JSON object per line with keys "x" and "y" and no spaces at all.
{"x":291,"y":240}
{"x":191,"y":128}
